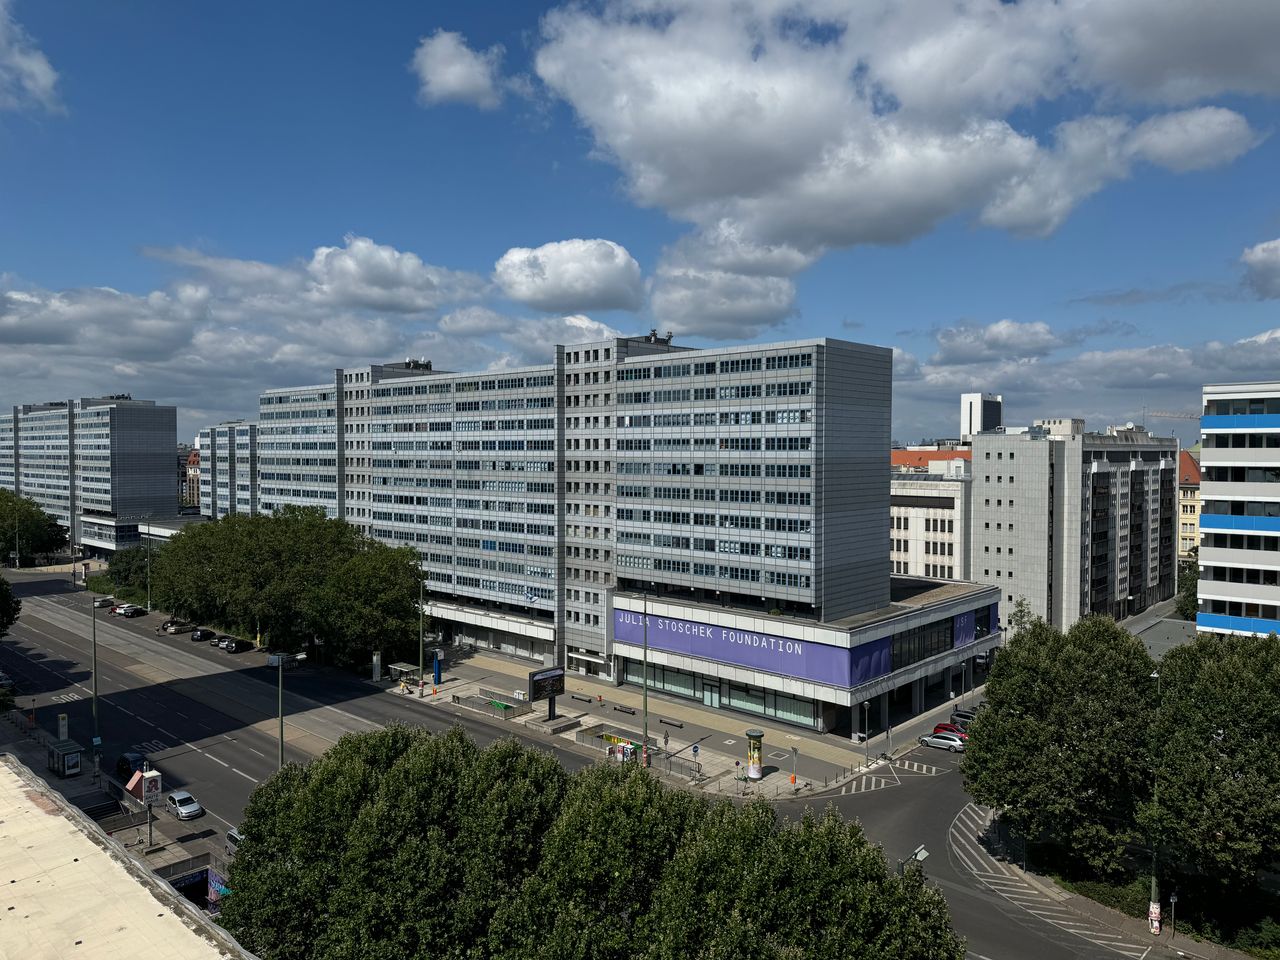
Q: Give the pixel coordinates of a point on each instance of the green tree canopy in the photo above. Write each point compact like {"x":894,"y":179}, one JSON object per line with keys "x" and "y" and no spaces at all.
{"x":1061,"y":747}
{"x":1187,"y":602}
{"x":292,"y":578}
{"x":1218,"y":811}
{"x":402,"y":844}
{"x":34,"y":531}
{"x":10,"y":607}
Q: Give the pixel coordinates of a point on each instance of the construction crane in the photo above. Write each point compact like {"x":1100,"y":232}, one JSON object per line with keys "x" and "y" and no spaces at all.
{"x":1168,"y":415}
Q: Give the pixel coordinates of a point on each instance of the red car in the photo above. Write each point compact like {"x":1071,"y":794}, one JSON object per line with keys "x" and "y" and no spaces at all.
{"x":951,"y":728}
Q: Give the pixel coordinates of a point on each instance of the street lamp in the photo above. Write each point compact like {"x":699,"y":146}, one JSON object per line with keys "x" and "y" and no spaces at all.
{"x":918,"y":855}
{"x":1153,"y":910}
{"x":280,"y":698}
{"x":644,"y":697}
{"x":866,"y":728}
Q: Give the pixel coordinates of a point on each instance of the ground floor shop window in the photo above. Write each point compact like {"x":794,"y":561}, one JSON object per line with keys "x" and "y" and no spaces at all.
{"x":765,"y":703}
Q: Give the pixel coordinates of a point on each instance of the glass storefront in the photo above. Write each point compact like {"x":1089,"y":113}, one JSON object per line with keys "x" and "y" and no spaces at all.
{"x":711,"y":691}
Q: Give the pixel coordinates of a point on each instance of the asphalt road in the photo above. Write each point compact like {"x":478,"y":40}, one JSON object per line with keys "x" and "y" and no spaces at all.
{"x":207,"y":720}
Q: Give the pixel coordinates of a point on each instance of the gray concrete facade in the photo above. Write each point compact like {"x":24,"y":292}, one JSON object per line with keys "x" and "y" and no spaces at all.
{"x":98,"y":456}
{"x":1074,"y":522}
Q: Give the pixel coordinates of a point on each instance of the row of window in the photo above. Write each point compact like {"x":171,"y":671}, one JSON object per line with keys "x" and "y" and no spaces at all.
{"x":735,"y":521}
{"x":1241,"y":608}
{"x":1237,"y":441}
{"x":714,"y":495}
{"x":1266,"y":578}
{"x":1248,"y":405}
{"x":1242,"y":474}
{"x":1240,"y":508}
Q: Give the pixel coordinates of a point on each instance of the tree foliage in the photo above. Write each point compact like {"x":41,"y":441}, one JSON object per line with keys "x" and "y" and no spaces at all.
{"x":291,"y":578}
{"x":10,"y":607}
{"x":402,"y":844}
{"x":1061,"y":746}
{"x":35,"y":531}
{"x":1187,"y":602}
{"x":1080,"y":746}
{"x":1218,"y":811}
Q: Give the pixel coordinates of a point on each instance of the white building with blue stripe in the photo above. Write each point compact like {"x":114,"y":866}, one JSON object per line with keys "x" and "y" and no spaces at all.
{"x":1239,"y":585}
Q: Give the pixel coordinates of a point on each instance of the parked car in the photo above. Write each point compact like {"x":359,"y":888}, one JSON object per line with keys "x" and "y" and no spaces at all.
{"x":951,"y":728}
{"x":117,"y":607}
{"x":960,"y":722}
{"x":176,"y":626}
{"x":128,"y":764}
{"x":236,"y":646}
{"x":217,"y":638}
{"x":6,"y":682}
{"x":101,"y":602}
{"x":225,"y":641}
{"x":964,"y":713}
{"x":129,"y":611}
{"x":234,"y":839}
{"x":183,"y":805}
{"x":203,"y":633}
{"x":944,"y":741}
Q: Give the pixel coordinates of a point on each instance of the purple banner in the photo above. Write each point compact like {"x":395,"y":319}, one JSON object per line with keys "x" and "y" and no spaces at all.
{"x":802,"y":659}
{"x":870,"y":660}
{"x":964,"y":628}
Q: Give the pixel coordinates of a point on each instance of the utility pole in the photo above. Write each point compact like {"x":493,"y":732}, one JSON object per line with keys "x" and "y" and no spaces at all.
{"x":645,"y":685}
{"x":93,"y":616}
{"x":280,"y":705}
{"x":148,"y":566}
{"x":866,"y":728}
{"x":1154,"y":907}
{"x":422,"y":614}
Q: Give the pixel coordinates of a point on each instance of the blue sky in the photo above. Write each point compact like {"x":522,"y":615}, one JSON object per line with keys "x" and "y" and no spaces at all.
{"x":1073,"y":204}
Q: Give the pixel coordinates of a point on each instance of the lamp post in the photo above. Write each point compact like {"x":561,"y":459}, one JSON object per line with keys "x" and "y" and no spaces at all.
{"x":644,"y":696}
{"x":148,"y":566}
{"x":280,"y":699}
{"x":93,"y":617}
{"x":1153,"y":910}
{"x":866,"y":728}
{"x":422,"y":676}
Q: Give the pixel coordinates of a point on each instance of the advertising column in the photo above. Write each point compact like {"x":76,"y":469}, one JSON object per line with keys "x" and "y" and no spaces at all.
{"x":755,"y":751}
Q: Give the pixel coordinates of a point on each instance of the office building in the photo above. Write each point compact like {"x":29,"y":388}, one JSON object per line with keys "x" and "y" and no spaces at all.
{"x":929,"y":520}
{"x":980,"y":412}
{"x":1188,"y":505}
{"x":1239,"y":588}
{"x":191,"y":486}
{"x":738,"y":495}
{"x":228,"y":469}
{"x":1075,"y":522}
{"x":100,"y":457}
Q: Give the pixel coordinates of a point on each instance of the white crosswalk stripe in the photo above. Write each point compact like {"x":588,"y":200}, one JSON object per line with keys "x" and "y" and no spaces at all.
{"x":914,"y":766}
{"x":966,"y":844}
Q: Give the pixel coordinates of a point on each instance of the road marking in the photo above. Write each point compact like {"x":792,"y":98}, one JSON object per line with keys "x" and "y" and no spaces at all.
{"x":243,"y":774}
{"x":964,"y":836}
{"x":168,"y":734}
{"x":258,"y":752}
{"x":146,"y":721}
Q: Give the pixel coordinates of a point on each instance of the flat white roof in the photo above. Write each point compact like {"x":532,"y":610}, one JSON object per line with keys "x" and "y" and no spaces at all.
{"x":68,"y":891}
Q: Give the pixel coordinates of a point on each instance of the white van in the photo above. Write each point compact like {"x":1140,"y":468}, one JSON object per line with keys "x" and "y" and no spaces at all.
{"x":234,"y":839}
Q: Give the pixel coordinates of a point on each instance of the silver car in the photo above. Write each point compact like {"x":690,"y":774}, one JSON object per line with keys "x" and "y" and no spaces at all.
{"x":184,"y":806}
{"x":944,"y":741}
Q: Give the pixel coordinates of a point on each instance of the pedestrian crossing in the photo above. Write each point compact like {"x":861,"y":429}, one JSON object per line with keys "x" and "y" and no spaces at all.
{"x":965,"y":837}
{"x":889,"y":775}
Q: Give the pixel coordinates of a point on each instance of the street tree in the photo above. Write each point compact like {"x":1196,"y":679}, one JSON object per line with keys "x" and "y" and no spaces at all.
{"x":296,"y":826}
{"x":720,"y":895}
{"x":24,"y":526}
{"x":617,"y":830}
{"x":1060,"y":749}
{"x":10,"y":606}
{"x":1187,"y":602}
{"x":1217,"y":814}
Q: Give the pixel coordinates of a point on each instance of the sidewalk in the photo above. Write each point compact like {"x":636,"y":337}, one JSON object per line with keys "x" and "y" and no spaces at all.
{"x":822,"y":762}
{"x":173,"y":841}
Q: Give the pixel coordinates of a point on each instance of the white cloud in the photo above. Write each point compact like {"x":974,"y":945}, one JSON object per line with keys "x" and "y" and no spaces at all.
{"x":27,"y":79}
{"x":1001,"y":340}
{"x":475,"y":321}
{"x":367,"y":274}
{"x":1262,"y":269}
{"x":717,"y":304}
{"x":361,"y":274}
{"x":1193,"y":139}
{"x":570,"y":276}
{"x":449,"y":70}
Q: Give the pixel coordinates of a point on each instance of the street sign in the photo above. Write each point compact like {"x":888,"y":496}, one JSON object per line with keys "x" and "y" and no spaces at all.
{"x":151,"y":787}
{"x":695,"y":751}
{"x":546,"y":683}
